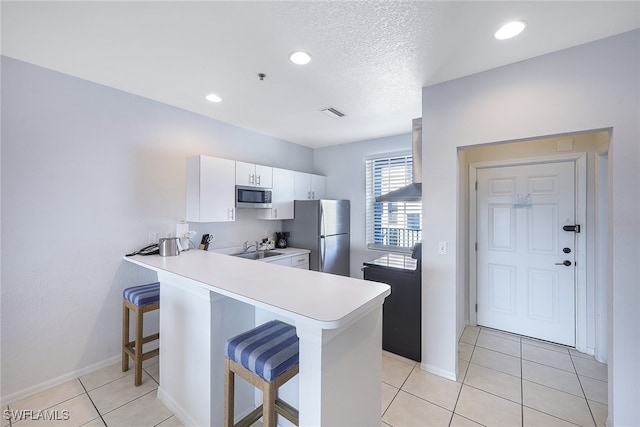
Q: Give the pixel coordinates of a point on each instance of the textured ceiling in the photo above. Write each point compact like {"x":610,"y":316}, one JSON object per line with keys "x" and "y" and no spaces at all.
{"x":370,"y":59}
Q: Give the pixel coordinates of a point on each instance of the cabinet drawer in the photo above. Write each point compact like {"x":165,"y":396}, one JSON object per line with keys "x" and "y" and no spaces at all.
{"x":300,"y":261}
{"x":283,"y":261}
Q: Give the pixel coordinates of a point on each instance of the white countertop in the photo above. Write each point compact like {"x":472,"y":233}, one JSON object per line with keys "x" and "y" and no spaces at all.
{"x":325,"y":300}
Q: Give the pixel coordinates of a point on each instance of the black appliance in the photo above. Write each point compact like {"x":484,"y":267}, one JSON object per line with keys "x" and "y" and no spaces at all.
{"x":281,"y":239}
{"x":401,"y":312}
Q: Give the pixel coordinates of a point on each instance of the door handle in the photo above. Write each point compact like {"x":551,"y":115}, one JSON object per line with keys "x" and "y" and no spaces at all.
{"x":566,"y":263}
{"x":574,"y":228}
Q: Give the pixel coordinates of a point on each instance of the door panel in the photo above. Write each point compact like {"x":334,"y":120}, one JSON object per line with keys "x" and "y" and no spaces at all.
{"x":501,"y":228}
{"x":521,"y":289}
{"x":543,"y":229}
{"x":543,"y":295}
{"x":502,"y":289}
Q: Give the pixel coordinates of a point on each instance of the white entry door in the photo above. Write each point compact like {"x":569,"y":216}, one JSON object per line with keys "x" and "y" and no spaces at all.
{"x":526,"y":261}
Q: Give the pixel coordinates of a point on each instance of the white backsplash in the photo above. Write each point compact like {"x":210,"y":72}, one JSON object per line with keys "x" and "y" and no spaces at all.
{"x":231,"y":235}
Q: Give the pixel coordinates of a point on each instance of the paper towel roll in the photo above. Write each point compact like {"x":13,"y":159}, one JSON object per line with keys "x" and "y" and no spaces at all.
{"x":182,"y":229}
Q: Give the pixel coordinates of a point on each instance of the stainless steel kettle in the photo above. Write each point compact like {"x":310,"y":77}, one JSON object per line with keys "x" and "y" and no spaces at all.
{"x":169,"y":246}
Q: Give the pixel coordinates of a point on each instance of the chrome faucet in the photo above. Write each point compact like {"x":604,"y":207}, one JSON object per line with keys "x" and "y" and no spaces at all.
{"x":246,"y":246}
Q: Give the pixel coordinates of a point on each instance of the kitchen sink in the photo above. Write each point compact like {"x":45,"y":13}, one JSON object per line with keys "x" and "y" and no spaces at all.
{"x":259,"y":254}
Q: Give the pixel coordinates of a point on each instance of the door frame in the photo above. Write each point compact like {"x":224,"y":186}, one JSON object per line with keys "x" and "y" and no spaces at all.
{"x":580,"y":161}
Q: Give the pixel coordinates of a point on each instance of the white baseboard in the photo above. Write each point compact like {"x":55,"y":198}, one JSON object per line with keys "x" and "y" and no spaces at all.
{"x":19,"y":395}
{"x":175,"y":408}
{"x":437,"y":371}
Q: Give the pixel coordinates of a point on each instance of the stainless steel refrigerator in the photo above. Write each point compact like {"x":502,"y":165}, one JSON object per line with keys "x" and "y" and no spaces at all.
{"x":322,"y":226}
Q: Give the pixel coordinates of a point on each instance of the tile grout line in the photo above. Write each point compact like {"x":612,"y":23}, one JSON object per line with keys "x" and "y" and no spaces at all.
{"x":399,"y":389}
{"x":151,"y":376}
{"x":521,"y":387}
{"x":389,"y":405}
{"x":92,"y":402}
{"x":595,"y":423}
{"x":453,"y":412}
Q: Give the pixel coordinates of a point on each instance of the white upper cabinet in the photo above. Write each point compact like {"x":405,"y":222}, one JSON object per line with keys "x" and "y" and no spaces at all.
{"x":281,"y":196}
{"x":210,"y":189}
{"x":309,"y":186}
{"x":253,"y":175}
{"x":318,"y":183}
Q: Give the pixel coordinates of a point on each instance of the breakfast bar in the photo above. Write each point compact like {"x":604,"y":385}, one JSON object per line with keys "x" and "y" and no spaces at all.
{"x":207,"y":297}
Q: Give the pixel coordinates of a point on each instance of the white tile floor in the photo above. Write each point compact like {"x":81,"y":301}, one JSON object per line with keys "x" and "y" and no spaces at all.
{"x":506,"y":381}
{"x":103,"y":398}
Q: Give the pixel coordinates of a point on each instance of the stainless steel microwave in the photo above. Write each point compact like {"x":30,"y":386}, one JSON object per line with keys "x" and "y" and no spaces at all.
{"x":253,"y":197}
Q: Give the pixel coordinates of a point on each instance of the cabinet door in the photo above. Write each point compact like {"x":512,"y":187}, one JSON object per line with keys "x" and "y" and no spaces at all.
{"x":302,"y":186}
{"x":264,"y":176}
{"x":254,"y":175}
{"x":318,"y":186}
{"x":282,"y":196}
{"x":245,"y":174}
{"x":309,"y":186}
{"x":210,"y":189}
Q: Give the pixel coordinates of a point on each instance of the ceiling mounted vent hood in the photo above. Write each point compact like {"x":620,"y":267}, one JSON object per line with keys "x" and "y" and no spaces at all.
{"x":411,"y":192}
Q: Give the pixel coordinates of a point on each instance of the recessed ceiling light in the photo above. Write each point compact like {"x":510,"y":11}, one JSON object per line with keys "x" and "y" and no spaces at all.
{"x":510,"y":29}
{"x":299,"y":57}
{"x":212,"y":97}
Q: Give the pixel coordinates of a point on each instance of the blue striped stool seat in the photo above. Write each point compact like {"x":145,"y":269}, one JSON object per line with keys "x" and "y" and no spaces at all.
{"x":142,"y":294}
{"x":267,"y":350}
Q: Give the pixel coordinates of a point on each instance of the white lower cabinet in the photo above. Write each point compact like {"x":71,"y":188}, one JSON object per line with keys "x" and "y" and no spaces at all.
{"x":300,"y":261}
{"x":296,"y":261}
{"x":282,"y":261}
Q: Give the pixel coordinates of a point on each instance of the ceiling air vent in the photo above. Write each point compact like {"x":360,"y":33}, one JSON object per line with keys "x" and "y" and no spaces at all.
{"x":332,"y":112}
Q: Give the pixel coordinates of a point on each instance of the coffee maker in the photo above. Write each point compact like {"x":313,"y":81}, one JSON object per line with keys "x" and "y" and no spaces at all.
{"x":281,"y":239}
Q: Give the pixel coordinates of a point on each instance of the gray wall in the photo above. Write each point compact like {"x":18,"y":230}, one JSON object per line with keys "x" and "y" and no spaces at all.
{"x":593,"y":86}
{"x":344,"y":166}
{"x":87,"y":173}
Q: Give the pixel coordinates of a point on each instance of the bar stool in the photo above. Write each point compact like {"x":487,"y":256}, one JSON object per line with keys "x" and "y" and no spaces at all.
{"x":267,"y":357}
{"x":139,"y":299}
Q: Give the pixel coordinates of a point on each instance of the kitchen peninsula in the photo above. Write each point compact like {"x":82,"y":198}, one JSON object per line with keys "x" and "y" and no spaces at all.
{"x":207,"y":297}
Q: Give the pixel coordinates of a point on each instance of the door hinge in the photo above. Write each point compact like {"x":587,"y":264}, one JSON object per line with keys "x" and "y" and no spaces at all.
{"x":476,"y":308}
{"x":476,"y":185}
{"x":476,"y":246}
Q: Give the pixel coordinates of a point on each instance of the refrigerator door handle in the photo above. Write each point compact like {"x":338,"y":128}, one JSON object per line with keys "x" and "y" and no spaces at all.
{"x":323,"y":245}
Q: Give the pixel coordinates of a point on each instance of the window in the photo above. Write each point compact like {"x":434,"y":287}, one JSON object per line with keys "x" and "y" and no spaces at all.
{"x":395,"y":226}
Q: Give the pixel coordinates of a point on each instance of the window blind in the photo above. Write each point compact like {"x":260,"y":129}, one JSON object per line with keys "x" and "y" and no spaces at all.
{"x":393,"y":226}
